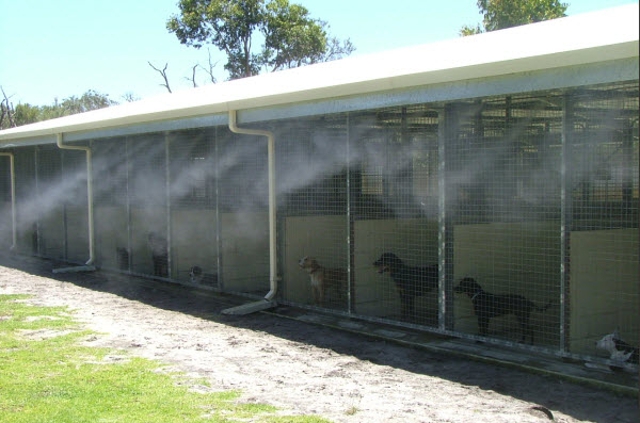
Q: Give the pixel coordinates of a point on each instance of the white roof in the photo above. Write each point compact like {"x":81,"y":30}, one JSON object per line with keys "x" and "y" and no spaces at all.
{"x":590,"y":38}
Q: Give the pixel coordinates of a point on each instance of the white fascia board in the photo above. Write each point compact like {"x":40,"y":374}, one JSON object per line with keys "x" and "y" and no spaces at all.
{"x":602,"y":36}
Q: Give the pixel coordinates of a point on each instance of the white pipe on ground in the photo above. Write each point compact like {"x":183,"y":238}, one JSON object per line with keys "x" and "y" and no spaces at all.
{"x":13,"y":198}
{"x":273,"y":270}
{"x":87,"y":150}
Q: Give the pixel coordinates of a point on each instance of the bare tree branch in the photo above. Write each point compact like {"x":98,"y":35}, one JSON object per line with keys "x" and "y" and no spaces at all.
{"x":163,"y":72}
{"x":193,"y":76}
{"x":130,"y":97}
{"x":210,"y":70}
{"x":7,"y":110}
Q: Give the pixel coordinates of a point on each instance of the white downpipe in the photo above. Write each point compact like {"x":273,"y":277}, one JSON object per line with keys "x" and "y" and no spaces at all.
{"x":87,"y":150}
{"x":13,"y":198}
{"x":273,"y":269}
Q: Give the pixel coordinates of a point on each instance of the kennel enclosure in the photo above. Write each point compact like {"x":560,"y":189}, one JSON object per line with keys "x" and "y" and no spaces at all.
{"x":510,"y":157}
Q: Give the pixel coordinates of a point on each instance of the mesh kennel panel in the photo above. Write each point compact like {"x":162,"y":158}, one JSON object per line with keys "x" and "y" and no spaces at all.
{"x":111,"y":203}
{"x":51,"y":190}
{"x":192,"y":187}
{"x":6,"y":222}
{"x":394,"y":190}
{"x":603,"y":275}
{"x":75,"y":208}
{"x":26,"y":200}
{"x":242,"y":182}
{"x":312,"y":188}
{"x":503,"y":186}
{"x":147,"y":188}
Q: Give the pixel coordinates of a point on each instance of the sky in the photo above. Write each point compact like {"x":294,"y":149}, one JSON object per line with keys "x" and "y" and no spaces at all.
{"x":55,"y":49}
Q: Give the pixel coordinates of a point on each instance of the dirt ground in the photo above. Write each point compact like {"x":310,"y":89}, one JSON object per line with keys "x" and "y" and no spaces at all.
{"x":303,"y":368}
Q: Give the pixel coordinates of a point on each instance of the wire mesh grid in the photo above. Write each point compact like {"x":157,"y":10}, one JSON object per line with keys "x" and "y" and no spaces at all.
{"x":533,"y":196}
{"x":6,"y":224}
{"x":395,"y":195}
{"x":193,"y":202}
{"x":242,"y":183}
{"x":603,"y":294}
{"x":148,"y":205}
{"x":503,"y":188}
{"x":49,"y":202}
{"x":26,"y":217}
{"x":312,"y":170}
{"x":111,"y":204}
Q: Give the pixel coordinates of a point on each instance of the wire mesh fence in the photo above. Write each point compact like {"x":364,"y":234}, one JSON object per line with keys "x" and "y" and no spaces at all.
{"x":513,"y":217}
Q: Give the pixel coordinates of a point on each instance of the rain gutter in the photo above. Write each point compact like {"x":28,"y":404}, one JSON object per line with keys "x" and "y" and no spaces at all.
{"x":88,"y":266}
{"x":268,"y":301}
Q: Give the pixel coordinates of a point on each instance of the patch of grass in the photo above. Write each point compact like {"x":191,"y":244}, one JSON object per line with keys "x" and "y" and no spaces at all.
{"x":46,"y":375}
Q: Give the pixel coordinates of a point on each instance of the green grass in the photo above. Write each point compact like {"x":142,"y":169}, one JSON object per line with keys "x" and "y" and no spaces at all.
{"x":48,"y":376}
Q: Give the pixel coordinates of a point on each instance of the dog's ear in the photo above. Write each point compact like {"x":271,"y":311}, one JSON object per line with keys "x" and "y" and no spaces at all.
{"x":616,"y":333}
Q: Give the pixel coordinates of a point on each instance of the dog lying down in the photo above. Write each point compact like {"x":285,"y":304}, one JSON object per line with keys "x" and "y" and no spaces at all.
{"x":410,"y":281}
{"x":487,"y":305}
{"x":618,"y":350}
{"x":324,"y":279}
{"x":198,"y":277}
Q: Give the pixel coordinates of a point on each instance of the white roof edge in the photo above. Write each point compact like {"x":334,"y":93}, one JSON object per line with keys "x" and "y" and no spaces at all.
{"x":606,"y":35}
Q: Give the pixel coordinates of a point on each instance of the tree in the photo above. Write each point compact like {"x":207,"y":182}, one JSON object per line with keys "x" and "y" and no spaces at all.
{"x":290,"y":36}
{"x":90,"y":100}
{"x":293,"y":39}
{"x":24,"y":114}
{"x":501,"y":14}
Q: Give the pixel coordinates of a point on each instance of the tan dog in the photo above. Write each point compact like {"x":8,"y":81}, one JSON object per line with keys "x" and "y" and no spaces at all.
{"x":324,"y":279}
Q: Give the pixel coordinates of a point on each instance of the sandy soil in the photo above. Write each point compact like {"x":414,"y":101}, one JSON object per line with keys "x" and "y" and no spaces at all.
{"x":303,"y":368}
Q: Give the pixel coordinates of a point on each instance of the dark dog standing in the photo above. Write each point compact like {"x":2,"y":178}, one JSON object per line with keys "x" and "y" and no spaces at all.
{"x":159,"y":254}
{"x":487,"y":305}
{"x":122,"y":258}
{"x":411,"y":282}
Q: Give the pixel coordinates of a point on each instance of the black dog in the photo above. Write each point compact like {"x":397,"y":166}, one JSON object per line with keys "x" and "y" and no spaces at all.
{"x":122,"y":258}
{"x":411,"y":282}
{"x":487,"y":305}
{"x":159,"y":254}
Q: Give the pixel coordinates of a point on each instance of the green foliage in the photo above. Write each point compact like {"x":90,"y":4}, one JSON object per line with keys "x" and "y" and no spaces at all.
{"x":47,"y":375}
{"x":290,"y":36}
{"x":501,"y":14}
{"x":467,"y":30}
{"x":27,"y":113}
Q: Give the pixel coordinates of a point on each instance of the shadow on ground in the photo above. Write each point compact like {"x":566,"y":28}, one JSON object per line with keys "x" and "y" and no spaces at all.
{"x":454,"y":360}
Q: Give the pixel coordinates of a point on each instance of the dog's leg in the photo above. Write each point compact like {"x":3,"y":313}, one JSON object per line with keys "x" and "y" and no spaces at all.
{"x":525,"y":328}
{"x":483,"y":325}
{"x":407,"y":307}
{"x":339,"y":290}
{"x":403,"y":308}
{"x":530,"y":330}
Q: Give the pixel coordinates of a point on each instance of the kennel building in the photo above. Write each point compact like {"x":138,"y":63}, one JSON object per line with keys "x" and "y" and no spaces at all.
{"x":510,"y":157}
